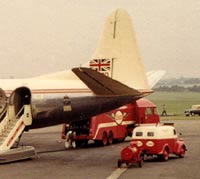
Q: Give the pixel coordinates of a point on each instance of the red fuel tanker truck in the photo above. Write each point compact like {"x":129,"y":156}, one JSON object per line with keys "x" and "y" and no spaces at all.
{"x":112,"y":126}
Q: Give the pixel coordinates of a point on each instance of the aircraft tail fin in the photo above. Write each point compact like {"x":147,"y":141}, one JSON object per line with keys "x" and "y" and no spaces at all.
{"x":103,"y":85}
{"x":117,"y":54}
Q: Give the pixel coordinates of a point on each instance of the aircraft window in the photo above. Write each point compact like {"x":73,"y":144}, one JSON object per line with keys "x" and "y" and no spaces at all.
{"x":138,"y":134}
{"x":150,"y":134}
{"x":148,"y":111}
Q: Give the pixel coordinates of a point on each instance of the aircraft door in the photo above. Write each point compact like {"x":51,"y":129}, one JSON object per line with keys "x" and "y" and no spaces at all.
{"x":20,"y":97}
{"x":3,"y":104}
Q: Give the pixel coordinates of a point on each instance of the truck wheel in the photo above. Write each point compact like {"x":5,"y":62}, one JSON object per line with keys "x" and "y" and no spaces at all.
{"x":165,"y":155}
{"x":110,"y":137}
{"x":182,"y":152}
{"x":104,"y":139}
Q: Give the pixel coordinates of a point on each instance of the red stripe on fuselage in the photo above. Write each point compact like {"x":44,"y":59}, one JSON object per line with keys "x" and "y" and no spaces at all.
{"x":53,"y":91}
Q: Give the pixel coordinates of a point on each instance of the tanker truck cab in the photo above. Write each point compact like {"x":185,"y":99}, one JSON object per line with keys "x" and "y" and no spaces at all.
{"x":159,"y":139}
{"x":146,"y":112}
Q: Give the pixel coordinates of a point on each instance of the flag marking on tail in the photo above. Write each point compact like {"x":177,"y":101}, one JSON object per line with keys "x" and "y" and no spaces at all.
{"x":101,"y":65}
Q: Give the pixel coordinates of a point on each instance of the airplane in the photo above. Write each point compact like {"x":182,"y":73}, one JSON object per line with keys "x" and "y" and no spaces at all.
{"x":80,"y":93}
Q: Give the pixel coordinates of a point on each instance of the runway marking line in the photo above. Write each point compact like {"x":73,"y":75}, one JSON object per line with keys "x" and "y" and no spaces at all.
{"x":117,"y":173}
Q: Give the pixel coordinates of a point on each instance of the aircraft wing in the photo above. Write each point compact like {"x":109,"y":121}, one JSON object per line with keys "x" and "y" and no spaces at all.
{"x":103,"y":85}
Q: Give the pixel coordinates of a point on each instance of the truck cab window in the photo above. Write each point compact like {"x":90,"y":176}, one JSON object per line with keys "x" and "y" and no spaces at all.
{"x":148,"y":111}
{"x":155,"y":111}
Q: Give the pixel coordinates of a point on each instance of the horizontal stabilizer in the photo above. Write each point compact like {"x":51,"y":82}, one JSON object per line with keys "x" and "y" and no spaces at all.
{"x":103,"y":85}
{"x":154,"y":77}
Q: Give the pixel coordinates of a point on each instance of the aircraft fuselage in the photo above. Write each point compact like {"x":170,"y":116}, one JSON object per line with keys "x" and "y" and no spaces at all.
{"x":59,"y":104}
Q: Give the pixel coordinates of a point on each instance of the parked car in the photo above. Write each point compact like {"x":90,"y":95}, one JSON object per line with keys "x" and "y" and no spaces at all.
{"x":150,"y":140}
{"x":194,"y":110}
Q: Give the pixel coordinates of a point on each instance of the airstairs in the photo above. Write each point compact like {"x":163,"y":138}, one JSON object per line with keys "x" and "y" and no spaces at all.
{"x":11,"y":128}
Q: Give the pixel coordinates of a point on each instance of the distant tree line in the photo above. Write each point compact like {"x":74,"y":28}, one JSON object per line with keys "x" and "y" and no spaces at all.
{"x":177,"y":88}
{"x":191,"y":80}
{"x":182,"y":81}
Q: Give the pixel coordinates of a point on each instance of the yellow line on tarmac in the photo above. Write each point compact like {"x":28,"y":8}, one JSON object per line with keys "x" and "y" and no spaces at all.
{"x":117,"y":173}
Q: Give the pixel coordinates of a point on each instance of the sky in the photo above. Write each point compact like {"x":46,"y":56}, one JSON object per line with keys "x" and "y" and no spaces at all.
{"x":39,"y":36}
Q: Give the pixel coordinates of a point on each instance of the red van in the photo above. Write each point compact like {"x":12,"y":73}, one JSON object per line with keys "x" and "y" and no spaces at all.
{"x":150,"y":140}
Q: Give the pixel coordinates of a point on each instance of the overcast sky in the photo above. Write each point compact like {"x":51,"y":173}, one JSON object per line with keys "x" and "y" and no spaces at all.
{"x":39,"y":36}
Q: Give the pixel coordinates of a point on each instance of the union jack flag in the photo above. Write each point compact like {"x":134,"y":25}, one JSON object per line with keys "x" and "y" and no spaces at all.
{"x":101,"y":65}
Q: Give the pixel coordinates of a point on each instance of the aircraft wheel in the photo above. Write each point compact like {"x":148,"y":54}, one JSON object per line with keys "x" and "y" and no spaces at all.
{"x":110,"y":137}
{"x":80,"y":143}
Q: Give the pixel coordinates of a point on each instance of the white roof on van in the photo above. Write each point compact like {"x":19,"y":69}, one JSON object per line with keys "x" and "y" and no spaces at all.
{"x":159,"y":132}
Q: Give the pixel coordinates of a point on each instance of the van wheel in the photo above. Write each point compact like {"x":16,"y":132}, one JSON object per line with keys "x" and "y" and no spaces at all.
{"x":104,"y":139}
{"x":182,"y":152}
{"x":165,"y":155}
{"x":110,"y":137}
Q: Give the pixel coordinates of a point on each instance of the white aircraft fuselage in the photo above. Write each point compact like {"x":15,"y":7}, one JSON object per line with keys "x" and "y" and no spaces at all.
{"x":57,"y":101}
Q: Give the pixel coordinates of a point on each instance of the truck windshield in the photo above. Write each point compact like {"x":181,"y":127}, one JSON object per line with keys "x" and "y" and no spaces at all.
{"x":148,"y":111}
